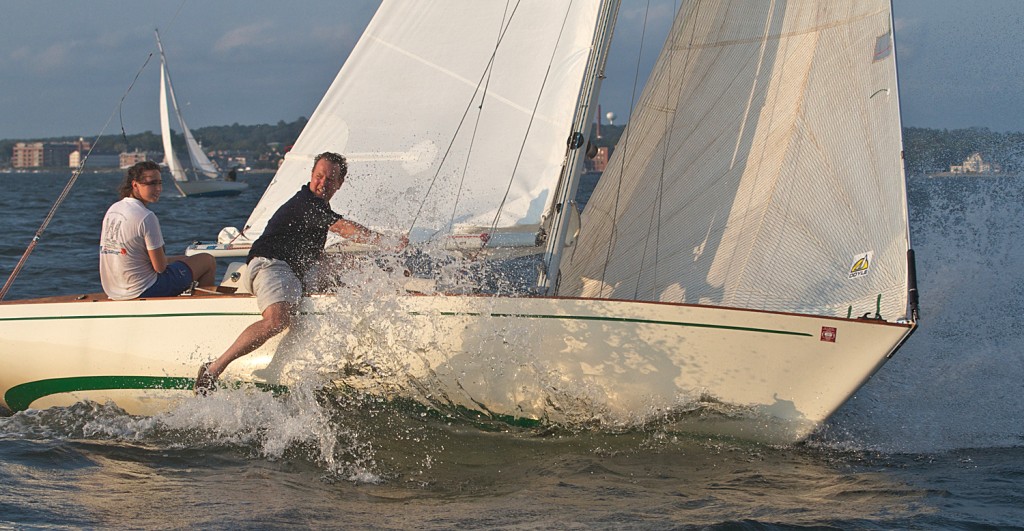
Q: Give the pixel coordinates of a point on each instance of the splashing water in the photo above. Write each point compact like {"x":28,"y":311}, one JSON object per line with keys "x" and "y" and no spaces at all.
{"x":957,"y":382}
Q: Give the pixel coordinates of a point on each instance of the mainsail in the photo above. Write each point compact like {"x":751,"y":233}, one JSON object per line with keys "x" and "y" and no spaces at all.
{"x":762,"y":167}
{"x":477,"y":141}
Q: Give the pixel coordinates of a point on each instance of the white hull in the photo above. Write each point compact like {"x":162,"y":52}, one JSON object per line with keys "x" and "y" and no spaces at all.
{"x":618,"y":363}
{"x":211,"y":187}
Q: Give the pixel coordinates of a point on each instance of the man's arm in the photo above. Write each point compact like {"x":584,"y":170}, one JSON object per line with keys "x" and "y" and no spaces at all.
{"x":350,"y":230}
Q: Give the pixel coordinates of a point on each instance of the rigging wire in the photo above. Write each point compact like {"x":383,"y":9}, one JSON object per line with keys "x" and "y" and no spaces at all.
{"x":462,"y":120}
{"x":71,"y":182}
{"x":625,"y":151}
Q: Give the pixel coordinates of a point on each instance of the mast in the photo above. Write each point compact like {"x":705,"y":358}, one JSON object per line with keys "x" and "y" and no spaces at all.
{"x":912,"y":294}
{"x":547,"y":281}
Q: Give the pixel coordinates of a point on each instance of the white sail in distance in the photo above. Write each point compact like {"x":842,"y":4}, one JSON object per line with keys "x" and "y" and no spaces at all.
{"x":170,"y":159}
{"x":453,"y":115}
{"x":200,"y":162}
{"x":762,"y":167}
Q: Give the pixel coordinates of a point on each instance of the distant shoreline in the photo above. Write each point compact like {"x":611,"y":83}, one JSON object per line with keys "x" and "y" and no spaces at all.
{"x":972,"y":175}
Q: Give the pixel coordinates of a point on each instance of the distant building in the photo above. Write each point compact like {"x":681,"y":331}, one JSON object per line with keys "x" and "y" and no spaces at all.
{"x":600,"y":160}
{"x":27,"y":155}
{"x":44,"y":154}
{"x":127,"y":160}
{"x":95,"y":160}
{"x":975,"y":163}
{"x":57,"y":155}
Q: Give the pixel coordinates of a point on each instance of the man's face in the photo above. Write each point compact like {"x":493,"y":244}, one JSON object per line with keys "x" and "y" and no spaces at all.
{"x":326,"y":179}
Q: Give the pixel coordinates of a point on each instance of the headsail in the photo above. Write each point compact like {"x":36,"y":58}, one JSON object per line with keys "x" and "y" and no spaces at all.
{"x":200,"y":162}
{"x":761,"y":169}
{"x":453,"y":114}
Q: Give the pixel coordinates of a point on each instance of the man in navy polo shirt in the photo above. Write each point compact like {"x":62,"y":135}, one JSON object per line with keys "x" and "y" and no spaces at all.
{"x":280,"y":258}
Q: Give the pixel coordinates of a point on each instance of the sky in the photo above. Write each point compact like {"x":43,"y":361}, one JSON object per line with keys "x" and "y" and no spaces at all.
{"x":65,"y":66}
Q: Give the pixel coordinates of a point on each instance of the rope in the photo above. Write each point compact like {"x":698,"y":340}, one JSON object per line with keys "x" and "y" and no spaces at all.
{"x":67,"y":187}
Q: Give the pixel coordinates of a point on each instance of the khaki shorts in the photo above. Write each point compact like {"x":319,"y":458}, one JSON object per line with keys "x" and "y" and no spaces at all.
{"x":273,"y":281}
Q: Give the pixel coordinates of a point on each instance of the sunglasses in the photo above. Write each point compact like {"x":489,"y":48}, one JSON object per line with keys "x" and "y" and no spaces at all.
{"x":151,"y":183}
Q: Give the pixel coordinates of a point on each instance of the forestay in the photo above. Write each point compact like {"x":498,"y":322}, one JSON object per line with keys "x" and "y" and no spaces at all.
{"x":761,"y":169}
{"x":443,"y":108}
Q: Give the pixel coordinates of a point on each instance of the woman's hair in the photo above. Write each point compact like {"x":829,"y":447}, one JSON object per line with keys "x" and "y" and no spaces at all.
{"x":134,"y":174}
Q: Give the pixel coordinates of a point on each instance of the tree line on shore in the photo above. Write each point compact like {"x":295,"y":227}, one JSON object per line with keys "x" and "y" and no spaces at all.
{"x":926,"y":150}
{"x":251,"y":141}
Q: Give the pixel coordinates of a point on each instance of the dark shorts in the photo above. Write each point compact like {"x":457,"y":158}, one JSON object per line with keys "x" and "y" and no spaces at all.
{"x":172,"y":282}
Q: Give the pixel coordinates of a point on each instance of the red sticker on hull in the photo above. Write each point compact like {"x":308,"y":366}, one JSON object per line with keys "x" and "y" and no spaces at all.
{"x":828,"y":333}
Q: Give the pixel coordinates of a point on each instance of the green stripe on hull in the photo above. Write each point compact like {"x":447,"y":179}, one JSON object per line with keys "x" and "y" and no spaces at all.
{"x":427,"y":314}
{"x":621,"y":320}
{"x":20,"y":397}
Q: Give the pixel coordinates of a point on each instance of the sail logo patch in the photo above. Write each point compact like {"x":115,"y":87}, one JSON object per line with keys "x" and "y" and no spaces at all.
{"x":861,"y":265}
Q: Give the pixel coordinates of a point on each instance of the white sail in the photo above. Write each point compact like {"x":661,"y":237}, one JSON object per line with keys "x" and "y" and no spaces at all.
{"x":205,"y":178}
{"x":200,"y":162}
{"x":761,"y":169}
{"x":170,"y":159}
{"x":453,"y":115}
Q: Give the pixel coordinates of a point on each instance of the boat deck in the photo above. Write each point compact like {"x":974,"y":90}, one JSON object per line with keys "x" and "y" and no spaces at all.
{"x":102,"y":297}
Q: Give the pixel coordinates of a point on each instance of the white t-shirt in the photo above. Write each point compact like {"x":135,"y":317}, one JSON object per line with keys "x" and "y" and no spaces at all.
{"x":130,"y":231}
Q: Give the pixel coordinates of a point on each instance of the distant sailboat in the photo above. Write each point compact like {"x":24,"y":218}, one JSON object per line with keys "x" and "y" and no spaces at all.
{"x":203,"y":178}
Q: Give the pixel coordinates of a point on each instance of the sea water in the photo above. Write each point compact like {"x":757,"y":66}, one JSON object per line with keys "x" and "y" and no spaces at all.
{"x":934,"y":440}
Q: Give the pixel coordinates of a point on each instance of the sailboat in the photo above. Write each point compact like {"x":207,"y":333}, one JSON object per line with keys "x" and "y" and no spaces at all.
{"x":742,"y":269}
{"x":203,"y":178}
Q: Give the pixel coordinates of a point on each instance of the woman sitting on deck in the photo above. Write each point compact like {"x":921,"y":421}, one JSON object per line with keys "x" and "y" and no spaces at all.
{"x":132,"y":259}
